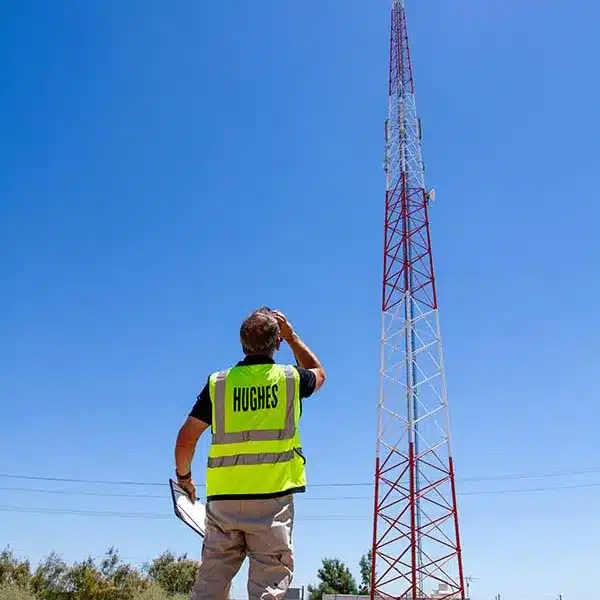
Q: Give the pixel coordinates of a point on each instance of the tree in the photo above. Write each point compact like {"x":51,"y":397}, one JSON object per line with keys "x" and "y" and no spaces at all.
{"x":365,"y":573}
{"x":124,"y":581}
{"x":112,"y":580}
{"x":167,"y":577}
{"x":49,"y":579}
{"x":174,"y":575}
{"x":14,"y":572}
{"x":85,"y":582}
{"x":334,"y":578}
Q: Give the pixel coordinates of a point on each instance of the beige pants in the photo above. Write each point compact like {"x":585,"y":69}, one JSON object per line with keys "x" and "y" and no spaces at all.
{"x":259,"y":529}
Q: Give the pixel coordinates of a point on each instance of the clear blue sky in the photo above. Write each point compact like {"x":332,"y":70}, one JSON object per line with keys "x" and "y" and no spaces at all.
{"x":165,"y":168}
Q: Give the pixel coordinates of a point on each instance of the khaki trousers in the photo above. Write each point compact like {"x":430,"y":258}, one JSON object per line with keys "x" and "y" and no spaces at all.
{"x":259,"y":529}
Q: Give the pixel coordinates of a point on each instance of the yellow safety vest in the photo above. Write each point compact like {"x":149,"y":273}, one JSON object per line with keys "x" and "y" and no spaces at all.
{"x":255,"y":450}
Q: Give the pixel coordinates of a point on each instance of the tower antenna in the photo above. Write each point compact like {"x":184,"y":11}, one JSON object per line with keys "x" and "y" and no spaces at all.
{"x":416,"y":541}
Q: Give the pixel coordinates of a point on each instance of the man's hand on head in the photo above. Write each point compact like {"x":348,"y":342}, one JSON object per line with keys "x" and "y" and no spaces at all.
{"x":304,"y":356}
{"x":285,"y":327}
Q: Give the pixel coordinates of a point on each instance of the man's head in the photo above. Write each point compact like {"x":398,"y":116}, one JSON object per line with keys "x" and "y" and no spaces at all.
{"x":259,"y":333}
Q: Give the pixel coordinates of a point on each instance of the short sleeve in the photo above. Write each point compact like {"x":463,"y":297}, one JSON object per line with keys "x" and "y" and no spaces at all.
{"x":308,"y":382}
{"x":202,"y":410}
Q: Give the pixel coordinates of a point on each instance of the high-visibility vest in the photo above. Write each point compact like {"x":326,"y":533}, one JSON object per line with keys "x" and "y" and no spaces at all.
{"x":255,"y":450}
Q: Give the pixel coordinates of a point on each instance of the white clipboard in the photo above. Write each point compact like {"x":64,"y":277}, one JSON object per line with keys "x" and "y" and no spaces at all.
{"x":193,"y":514}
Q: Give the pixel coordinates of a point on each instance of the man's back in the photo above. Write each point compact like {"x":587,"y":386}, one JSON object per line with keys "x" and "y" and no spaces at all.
{"x":255,"y":461}
{"x":256,"y":450}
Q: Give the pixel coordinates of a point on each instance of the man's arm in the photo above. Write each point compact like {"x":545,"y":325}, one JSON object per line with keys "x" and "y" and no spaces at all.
{"x":185,"y":446}
{"x":307,"y":359}
{"x":197,"y":422}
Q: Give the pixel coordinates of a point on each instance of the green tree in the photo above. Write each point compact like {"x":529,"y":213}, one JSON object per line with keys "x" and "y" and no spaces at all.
{"x":49,"y":581}
{"x":85,"y":582}
{"x":365,"y":573}
{"x":124,"y":581}
{"x":334,"y":578}
{"x":111,"y":580}
{"x":175,"y":575}
{"x":167,"y":577}
{"x":110,"y":564}
{"x":14,"y":572}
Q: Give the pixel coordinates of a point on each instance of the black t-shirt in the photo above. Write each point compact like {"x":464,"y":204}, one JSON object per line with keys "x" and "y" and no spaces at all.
{"x":203,"y":408}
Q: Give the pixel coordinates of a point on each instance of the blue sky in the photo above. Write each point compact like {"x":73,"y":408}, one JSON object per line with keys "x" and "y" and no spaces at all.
{"x":165,"y":169}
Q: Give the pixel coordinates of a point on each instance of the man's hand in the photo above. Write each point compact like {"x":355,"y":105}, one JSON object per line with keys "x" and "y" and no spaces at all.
{"x":188,"y":487}
{"x":285,"y":327}
{"x":304,"y":356}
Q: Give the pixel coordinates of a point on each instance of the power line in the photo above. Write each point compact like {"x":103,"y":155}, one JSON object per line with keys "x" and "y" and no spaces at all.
{"x":552,"y":488}
{"x":84,"y":493}
{"x":533,"y":475}
{"x":128,"y":515}
{"x":87,"y":513}
{"x":479,"y":478}
{"x":74,"y":480}
{"x":306,"y":497}
{"x":155,"y":516}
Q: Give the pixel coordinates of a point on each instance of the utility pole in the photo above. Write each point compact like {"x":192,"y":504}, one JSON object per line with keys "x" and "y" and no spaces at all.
{"x":468,"y":580}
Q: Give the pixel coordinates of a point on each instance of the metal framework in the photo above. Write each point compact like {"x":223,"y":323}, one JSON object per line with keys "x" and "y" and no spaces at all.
{"x":416,"y":542}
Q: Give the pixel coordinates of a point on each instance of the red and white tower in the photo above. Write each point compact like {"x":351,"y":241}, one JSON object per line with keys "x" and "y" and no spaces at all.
{"x":416,"y":542}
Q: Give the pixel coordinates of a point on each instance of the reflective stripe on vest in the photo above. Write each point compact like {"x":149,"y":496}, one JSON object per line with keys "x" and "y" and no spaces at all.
{"x":263,"y":458}
{"x":220,"y":436}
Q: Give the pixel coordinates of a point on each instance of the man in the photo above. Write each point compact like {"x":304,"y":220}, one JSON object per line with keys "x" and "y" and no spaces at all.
{"x":255,"y":461}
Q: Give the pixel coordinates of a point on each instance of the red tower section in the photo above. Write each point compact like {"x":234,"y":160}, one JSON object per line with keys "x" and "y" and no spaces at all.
{"x":416,"y":541}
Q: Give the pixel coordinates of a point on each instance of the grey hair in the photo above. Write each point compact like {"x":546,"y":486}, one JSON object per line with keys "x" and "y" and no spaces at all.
{"x":259,"y":332}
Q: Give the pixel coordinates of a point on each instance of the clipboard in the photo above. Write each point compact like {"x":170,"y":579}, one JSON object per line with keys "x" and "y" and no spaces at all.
{"x":193,"y":514}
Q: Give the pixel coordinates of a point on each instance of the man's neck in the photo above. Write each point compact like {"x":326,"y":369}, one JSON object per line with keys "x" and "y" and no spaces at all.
{"x":257,"y":358}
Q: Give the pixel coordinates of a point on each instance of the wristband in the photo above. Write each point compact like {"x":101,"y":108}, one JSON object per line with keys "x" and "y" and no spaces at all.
{"x":183,"y":477}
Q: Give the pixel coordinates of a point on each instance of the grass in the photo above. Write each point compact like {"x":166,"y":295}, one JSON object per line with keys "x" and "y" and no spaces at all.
{"x":12,"y":592}
{"x":151,"y":592}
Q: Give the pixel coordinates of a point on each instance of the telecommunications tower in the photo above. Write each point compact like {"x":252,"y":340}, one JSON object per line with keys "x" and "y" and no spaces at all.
{"x":416,"y":542}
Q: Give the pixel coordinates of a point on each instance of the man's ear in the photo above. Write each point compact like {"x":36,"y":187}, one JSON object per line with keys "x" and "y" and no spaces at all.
{"x":278,"y":344}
